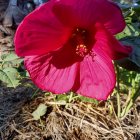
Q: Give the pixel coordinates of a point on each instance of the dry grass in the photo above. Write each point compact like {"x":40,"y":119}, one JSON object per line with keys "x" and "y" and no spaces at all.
{"x":75,"y":121}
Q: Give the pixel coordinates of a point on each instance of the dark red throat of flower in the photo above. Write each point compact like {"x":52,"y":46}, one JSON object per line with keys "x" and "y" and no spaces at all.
{"x":81,"y":40}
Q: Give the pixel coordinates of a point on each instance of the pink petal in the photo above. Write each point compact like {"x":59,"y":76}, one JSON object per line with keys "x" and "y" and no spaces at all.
{"x":114,"y":20}
{"x":54,"y":72}
{"x":40,"y":32}
{"x":97,"y":76}
{"x":108,"y":43}
{"x":86,"y":13}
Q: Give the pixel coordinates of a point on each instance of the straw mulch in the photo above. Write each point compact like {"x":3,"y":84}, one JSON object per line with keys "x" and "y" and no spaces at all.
{"x":74,"y":120}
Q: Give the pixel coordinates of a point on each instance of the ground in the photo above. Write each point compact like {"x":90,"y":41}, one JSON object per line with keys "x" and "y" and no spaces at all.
{"x":72,"y":120}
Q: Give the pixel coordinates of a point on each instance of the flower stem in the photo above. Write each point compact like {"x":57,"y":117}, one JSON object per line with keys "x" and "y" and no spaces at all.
{"x":118,"y":91}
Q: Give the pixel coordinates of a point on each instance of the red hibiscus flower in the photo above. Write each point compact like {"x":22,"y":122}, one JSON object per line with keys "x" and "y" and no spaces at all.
{"x":69,"y":45}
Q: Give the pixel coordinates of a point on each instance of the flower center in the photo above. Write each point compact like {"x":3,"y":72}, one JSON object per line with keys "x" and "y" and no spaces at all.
{"x":81,"y":50}
{"x":80,"y":40}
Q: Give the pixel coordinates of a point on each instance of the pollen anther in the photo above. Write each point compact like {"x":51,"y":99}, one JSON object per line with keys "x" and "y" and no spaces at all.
{"x":81,"y":50}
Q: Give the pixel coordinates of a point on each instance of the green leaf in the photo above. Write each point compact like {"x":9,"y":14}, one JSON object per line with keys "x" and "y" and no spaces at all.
{"x":11,"y":57}
{"x":89,"y":100}
{"x":62,"y":97}
{"x":9,"y":76}
{"x":134,"y":42}
{"x":10,"y":60}
{"x":40,"y":111}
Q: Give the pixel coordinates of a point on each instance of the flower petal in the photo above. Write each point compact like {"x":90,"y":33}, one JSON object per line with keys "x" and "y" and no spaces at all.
{"x":54,"y":72}
{"x":40,"y":32}
{"x":106,"y":41}
{"x":97,"y":76}
{"x":85,"y":13}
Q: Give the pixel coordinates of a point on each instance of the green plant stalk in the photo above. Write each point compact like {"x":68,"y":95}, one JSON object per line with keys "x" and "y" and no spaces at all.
{"x":127,"y":108}
{"x":137,"y":94}
{"x":35,"y":93}
{"x":71,"y":97}
{"x":118,"y":104}
{"x":118,"y":92}
{"x":130,"y":103}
